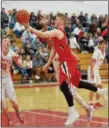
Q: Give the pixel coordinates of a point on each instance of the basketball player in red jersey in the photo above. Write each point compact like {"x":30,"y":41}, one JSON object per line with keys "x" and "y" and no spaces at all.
{"x":69,"y":74}
{"x":89,"y":108}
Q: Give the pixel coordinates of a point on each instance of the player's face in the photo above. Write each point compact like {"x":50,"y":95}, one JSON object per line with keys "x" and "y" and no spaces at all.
{"x":103,"y":47}
{"x":5,"y":45}
{"x":57,"y":21}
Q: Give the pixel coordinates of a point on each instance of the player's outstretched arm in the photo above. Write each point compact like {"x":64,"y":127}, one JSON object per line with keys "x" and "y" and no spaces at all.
{"x":47,"y":34}
{"x":52,"y":55}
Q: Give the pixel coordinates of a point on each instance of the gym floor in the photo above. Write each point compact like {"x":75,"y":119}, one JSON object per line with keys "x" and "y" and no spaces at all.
{"x":45,"y":106}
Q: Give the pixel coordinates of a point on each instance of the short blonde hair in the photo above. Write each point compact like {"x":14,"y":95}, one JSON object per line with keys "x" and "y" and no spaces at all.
{"x":62,"y":16}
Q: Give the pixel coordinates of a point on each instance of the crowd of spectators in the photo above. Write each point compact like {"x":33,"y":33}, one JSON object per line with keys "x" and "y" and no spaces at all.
{"x":83,"y":32}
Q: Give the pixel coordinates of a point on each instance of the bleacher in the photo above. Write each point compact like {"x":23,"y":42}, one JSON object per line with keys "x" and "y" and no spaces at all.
{"x":85,"y":60}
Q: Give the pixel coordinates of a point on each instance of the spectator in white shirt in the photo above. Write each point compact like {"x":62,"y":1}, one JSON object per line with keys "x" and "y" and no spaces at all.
{"x":91,"y":44}
{"x":73,"y":42}
{"x":18,"y":29}
{"x":28,"y":37}
{"x":77,"y":30}
{"x":28,"y":65}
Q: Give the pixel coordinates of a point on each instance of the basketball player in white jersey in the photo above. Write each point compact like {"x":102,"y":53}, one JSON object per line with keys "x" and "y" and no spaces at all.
{"x":93,"y":71}
{"x":7,"y":84}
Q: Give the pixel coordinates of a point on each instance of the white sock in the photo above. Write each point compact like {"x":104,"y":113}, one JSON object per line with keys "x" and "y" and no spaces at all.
{"x":99,"y":91}
{"x":79,"y":99}
{"x":71,"y":108}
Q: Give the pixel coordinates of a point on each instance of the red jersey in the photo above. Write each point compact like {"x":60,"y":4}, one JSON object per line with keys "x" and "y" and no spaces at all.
{"x":68,"y":61}
{"x":62,"y":48}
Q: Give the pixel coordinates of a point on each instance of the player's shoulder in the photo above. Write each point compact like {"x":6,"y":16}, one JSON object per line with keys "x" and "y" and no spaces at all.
{"x":56,"y":30}
{"x":97,"y":51}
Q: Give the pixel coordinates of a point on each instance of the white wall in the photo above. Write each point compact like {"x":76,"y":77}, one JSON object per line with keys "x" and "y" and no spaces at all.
{"x":97,"y":7}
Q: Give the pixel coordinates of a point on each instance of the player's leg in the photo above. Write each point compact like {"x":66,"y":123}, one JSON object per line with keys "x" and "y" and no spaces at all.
{"x":91,"y":87}
{"x":72,"y":113}
{"x":99,"y":85}
{"x":89,"y":108}
{"x":11,"y":95}
{"x":6,"y":113}
{"x":91,"y":94}
{"x":3,"y":103}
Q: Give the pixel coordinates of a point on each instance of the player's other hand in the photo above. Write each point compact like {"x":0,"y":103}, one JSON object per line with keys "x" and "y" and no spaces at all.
{"x":30,"y":29}
{"x":45,"y":67}
{"x":26,"y":25}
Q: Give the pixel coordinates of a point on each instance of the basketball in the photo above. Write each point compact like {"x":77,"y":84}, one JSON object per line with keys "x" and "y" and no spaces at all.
{"x":23,"y":16}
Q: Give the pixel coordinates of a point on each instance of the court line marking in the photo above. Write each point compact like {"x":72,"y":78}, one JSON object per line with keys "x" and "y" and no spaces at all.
{"x":64,"y":117}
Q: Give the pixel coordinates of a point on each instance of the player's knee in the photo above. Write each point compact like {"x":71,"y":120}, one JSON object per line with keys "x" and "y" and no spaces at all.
{"x":14,"y":102}
{"x":3,"y":105}
{"x":64,"y":86}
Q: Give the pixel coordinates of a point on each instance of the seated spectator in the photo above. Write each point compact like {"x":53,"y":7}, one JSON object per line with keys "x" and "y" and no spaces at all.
{"x":91,"y":44}
{"x":82,"y":19}
{"x":43,"y":52}
{"x":28,"y":65}
{"x":87,"y":18}
{"x":105,"y":34}
{"x":37,"y":65}
{"x":93,"y":19}
{"x":73,"y":42}
{"x":39,"y":17}
{"x":22,"y":53}
{"x":28,"y":37}
{"x":98,"y":38}
{"x":18,"y":29}
{"x":33,"y":20}
{"x":77,"y":30}
{"x":73,"y":20}
{"x":13,"y":45}
{"x":13,"y":18}
{"x":4,"y":19}
{"x":29,"y":50}
{"x":80,"y":35}
{"x":49,"y":75}
{"x":98,"y":31}
{"x":84,"y":43}
{"x":100,"y":21}
{"x":92,"y":28}
{"x":38,"y":44}
{"x":107,"y":52}
{"x":18,"y":69}
{"x":68,"y":30}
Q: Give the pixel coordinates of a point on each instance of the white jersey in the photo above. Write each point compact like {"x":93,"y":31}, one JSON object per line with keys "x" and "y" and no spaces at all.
{"x":6,"y":63}
{"x":99,"y":57}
